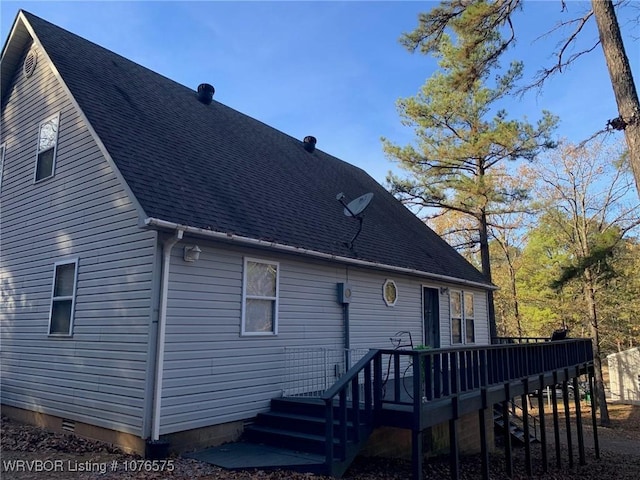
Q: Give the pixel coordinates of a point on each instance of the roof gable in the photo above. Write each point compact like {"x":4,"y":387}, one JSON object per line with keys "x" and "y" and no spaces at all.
{"x":211,"y":167}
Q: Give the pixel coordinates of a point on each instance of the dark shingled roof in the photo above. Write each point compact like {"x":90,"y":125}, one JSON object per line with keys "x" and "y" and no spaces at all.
{"x":211,"y":167}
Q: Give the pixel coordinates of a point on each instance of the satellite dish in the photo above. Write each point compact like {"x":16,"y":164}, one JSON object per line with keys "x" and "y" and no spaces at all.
{"x":353,"y":209}
{"x":357,"y":206}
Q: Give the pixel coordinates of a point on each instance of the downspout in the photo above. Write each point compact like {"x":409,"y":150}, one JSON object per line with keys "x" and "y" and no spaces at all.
{"x":347,"y":340}
{"x":162,"y":327}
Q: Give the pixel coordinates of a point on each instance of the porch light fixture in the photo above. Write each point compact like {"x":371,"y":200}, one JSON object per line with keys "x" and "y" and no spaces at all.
{"x":191,"y":253}
{"x":444,"y":290}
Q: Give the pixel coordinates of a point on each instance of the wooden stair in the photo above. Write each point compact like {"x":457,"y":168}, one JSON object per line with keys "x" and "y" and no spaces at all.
{"x":298,"y":425}
{"x":515,"y":429}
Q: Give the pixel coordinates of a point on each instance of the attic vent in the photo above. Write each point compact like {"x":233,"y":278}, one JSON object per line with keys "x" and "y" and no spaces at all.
{"x":205,"y":93}
{"x":30,"y":63}
{"x":309,"y":143}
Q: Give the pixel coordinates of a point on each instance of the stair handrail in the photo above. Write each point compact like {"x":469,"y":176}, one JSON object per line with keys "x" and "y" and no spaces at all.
{"x":339,"y":389}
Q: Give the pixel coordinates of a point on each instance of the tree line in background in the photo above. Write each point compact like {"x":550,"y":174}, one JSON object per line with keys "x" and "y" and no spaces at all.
{"x":555,"y":225}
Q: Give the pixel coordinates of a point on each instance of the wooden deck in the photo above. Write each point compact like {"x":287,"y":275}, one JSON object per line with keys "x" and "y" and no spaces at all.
{"x":380,"y":390}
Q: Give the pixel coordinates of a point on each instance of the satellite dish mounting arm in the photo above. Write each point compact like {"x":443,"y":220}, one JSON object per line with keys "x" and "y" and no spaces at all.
{"x":350,"y":244}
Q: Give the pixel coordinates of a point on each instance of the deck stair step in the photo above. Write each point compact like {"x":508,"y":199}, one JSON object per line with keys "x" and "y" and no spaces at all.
{"x":288,"y":439}
{"x":516,"y":430}
{"x":298,"y":424}
{"x":312,"y":407}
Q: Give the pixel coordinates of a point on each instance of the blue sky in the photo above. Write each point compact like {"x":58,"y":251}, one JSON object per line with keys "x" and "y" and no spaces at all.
{"x":329,"y":69}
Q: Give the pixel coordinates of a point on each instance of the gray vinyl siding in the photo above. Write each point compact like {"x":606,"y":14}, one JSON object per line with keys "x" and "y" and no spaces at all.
{"x":373,"y":323}
{"x":214,"y":375}
{"x":97,"y":375}
{"x":482,"y":317}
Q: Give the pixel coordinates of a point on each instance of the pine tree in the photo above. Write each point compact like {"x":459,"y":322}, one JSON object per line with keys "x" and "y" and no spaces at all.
{"x":463,"y":140}
{"x":484,"y":17}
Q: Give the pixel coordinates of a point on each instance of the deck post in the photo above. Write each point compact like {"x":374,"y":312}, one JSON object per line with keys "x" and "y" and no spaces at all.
{"x":377,"y":385}
{"x":342,"y":421}
{"x":328,"y":431}
{"x":594,"y":420}
{"x":355,"y":408}
{"x":543,"y":431}
{"x":416,"y":454}
{"x":556,"y":423}
{"x":482,"y":418}
{"x":525,"y":423}
{"x":507,"y":431}
{"x":577,"y":399}
{"x":454,"y":452}
{"x":567,"y":415}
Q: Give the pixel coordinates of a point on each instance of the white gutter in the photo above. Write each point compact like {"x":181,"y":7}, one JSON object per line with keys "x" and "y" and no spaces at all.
{"x":162,"y":328}
{"x":155,"y":222}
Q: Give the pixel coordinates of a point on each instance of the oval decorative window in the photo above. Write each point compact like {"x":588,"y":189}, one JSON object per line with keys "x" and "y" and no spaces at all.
{"x":390,"y":293}
{"x":29,"y":65}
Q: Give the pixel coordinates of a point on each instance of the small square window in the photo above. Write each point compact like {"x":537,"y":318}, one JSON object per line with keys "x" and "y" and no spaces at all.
{"x":47,"y":145}
{"x":63,"y":298}
{"x":260,"y":298}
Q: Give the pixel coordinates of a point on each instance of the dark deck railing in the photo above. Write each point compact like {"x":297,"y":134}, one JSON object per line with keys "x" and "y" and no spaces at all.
{"x":386,"y":379}
{"x":347,"y":391}
{"x":452,"y":371}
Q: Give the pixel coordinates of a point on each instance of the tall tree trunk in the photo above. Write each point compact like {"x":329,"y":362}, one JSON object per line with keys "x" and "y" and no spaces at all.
{"x":590,"y":298}
{"x":486,"y":269}
{"x":514,"y":292}
{"x":621,"y":80}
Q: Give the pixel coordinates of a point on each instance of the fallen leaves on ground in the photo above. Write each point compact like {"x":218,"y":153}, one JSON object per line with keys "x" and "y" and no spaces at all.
{"x":25,"y":442}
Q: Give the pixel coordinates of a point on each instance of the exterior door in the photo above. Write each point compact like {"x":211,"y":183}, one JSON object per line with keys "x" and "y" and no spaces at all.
{"x":431,"y":317}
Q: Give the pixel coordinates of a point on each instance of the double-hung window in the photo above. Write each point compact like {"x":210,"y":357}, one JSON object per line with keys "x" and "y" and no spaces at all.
{"x":260,"y":297}
{"x":456,"y":317}
{"x":63,"y":296}
{"x":47,"y":146}
{"x":462,"y":317}
{"x":469,"y":318}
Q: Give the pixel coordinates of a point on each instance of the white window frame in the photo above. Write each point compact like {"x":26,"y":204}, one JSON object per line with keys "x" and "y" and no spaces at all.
{"x":466,"y":319}
{"x":451,"y":317}
{"x":71,"y":297}
{"x":388,"y":302}
{"x":275,"y":299}
{"x":55,"y":149}
{"x":463,"y":317}
{"x":3,"y":149}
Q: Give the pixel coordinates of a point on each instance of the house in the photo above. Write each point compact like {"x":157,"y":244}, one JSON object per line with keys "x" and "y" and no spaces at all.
{"x":161,"y":252}
{"x":624,"y":375}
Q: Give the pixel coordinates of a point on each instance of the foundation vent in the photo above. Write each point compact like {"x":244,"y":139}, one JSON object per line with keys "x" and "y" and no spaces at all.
{"x":68,"y":425}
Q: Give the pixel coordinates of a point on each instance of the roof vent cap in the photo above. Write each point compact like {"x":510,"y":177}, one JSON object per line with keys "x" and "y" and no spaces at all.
{"x":309,"y":143}
{"x":205,"y":93}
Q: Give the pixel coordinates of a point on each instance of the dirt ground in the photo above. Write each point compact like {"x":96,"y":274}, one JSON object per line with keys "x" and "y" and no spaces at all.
{"x":29,"y":453}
